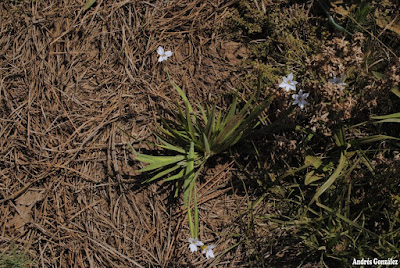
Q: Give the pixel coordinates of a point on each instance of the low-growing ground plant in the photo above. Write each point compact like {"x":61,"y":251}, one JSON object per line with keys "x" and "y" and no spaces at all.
{"x":189,"y":138}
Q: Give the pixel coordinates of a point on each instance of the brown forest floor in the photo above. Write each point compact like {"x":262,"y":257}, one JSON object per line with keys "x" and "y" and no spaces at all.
{"x":69,"y":79}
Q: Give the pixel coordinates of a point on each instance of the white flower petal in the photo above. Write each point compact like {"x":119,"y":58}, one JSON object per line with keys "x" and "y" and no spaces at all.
{"x":283,"y":84}
{"x":168,"y":53}
{"x":193,"y":247}
{"x":160,"y":50}
{"x":210,"y":254}
{"x":290,"y":76}
{"x":199,"y":243}
{"x":208,"y":251}
{"x":337,"y":81}
{"x":194,"y":243}
{"x":300,"y":99}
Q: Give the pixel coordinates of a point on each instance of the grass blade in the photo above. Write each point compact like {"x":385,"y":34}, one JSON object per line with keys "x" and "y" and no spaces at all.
{"x":208,"y":130}
{"x":395,"y":115}
{"x":162,"y":173}
{"x":375,"y":138}
{"x":332,"y":179}
{"x":203,"y":113}
{"x":353,"y":223}
{"x":196,"y":212}
{"x":190,"y":125}
{"x":189,"y":174}
{"x":396,"y":91}
{"x":206,"y":145}
{"x":175,"y":177}
{"x":166,"y":162}
{"x":180,"y":92}
{"x":169,"y":146}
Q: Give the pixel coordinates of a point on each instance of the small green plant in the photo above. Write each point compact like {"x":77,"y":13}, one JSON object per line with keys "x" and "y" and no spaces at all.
{"x":212,"y":132}
{"x":189,"y":139}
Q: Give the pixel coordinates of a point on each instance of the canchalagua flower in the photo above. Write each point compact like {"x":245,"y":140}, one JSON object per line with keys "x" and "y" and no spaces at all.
{"x":288,"y":83}
{"x":300,"y":98}
{"x":194,"y":243}
{"x":163,"y":54}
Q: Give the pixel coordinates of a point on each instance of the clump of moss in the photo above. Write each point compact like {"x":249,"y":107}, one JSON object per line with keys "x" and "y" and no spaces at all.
{"x":14,"y":259}
{"x":247,"y":22}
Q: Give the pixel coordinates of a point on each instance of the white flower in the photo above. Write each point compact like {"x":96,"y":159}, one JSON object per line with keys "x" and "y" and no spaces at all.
{"x":163,"y":54}
{"x":337,"y":81}
{"x":300,"y":98}
{"x":288,"y":83}
{"x":194,"y":243}
{"x":208,"y":251}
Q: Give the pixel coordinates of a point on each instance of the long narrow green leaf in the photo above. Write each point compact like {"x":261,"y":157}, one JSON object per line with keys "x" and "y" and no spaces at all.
{"x":174,"y":148}
{"x":249,"y":122}
{"x":391,"y":120}
{"x":208,"y":130}
{"x":196,"y":212}
{"x":162,"y":174}
{"x":189,"y":174}
{"x":154,"y":158}
{"x":217,"y":127}
{"x":396,"y":91}
{"x":353,"y":223}
{"x":332,"y":179}
{"x":190,"y":125}
{"x":231,"y":112}
{"x":164,"y":131}
{"x":189,"y":213}
{"x":145,"y":158}
{"x":164,"y":163}
{"x":395,"y":115}
{"x":182,"y":118}
{"x":365,"y":160}
{"x":178,"y":135}
{"x":169,"y":146}
{"x":206,"y":145}
{"x":203,"y":113}
{"x":229,"y":142}
{"x":230,"y":125}
{"x":175,"y":177}
{"x":181,"y":93}
{"x":375,"y":138}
